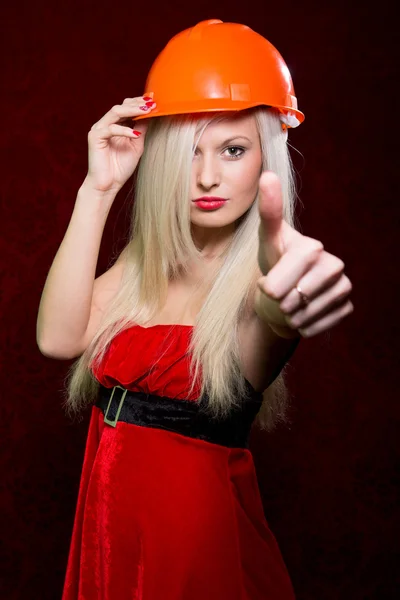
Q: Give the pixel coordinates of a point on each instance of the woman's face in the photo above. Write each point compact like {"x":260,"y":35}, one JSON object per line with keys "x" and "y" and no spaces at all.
{"x":228,"y":166}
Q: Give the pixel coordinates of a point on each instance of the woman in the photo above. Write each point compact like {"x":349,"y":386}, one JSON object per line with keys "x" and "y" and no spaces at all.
{"x":182,"y":343}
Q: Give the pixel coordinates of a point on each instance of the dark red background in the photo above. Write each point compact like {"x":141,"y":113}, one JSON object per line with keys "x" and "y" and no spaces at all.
{"x":329,"y":481}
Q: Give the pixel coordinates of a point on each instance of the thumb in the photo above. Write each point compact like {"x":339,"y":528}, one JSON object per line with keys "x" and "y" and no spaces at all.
{"x":270,"y":205}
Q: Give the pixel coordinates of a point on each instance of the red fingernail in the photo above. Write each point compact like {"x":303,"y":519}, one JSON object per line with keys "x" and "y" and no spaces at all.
{"x":136,"y":132}
{"x":147,"y":98}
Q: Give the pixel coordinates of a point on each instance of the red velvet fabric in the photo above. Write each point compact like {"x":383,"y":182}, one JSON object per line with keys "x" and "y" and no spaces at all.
{"x":163,"y":516}
{"x":129,"y":361}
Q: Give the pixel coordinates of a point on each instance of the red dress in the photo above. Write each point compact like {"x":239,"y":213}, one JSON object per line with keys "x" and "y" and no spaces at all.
{"x":168,"y":506}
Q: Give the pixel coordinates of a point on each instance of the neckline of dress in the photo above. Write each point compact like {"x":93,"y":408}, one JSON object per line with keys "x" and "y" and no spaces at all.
{"x":163,"y":325}
{"x":190,"y":327}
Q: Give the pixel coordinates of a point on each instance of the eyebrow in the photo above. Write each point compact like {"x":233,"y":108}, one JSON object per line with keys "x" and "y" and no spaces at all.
{"x":235,"y":137}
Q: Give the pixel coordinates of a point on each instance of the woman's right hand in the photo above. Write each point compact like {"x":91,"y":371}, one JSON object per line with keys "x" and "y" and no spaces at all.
{"x":114,"y":151}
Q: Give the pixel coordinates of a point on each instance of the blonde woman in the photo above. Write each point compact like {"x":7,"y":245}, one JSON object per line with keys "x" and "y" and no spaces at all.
{"x":182,"y":344}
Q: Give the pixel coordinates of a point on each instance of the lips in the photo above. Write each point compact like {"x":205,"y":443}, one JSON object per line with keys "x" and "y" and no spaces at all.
{"x":210,"y":199}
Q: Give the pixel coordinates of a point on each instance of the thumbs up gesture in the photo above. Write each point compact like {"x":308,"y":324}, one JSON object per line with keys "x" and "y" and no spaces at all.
{"x":303,"y":290}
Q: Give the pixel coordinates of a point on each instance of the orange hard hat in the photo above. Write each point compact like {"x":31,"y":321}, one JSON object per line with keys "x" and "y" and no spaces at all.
{"x":217,"y":66}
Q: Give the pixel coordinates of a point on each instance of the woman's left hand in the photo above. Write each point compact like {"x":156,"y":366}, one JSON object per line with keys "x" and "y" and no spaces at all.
{"x":286,"y":259}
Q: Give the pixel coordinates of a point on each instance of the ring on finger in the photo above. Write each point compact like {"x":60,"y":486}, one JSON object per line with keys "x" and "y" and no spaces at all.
{"x":292,"y":301}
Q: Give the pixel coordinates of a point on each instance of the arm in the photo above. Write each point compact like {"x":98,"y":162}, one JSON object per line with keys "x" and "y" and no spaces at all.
{"x":65,"y":303}
{"x":264,"y":352}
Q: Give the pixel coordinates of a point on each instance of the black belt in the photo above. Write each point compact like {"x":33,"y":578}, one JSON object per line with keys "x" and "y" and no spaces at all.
{"x":181,"y":416}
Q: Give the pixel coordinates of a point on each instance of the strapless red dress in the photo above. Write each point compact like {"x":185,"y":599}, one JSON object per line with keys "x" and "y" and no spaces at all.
{"x":168,"y":505}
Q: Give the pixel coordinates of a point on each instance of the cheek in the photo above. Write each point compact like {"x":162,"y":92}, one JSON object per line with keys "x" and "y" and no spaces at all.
{"x":246,"y":178}
{"x":250,"y":166}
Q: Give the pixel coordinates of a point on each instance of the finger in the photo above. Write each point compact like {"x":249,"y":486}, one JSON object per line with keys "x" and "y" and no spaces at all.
{"x":326,"y":273}
{"x":122,"y":111}
{"x":112,"y":130}
{"x":334,"y":318}
{"x":324,"y":303}
{"x":271,"y":204}
{"x":290,"y":268}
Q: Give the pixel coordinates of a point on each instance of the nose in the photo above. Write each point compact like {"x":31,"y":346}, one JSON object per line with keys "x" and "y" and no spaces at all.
{"x":207,"y":171}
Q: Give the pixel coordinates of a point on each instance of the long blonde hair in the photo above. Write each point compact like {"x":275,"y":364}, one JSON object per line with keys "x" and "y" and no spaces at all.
{"x":160,"y":247}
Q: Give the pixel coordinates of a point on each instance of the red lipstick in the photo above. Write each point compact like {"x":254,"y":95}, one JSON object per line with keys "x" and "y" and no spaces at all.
{"x":209,"y":202}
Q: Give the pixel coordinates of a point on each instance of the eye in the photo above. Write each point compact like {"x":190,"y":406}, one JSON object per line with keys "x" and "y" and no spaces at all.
{"x":243,"y":150}
{"x":232,"y":156}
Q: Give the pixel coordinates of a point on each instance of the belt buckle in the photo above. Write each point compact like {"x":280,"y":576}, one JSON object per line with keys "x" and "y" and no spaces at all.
{"x":113,"y":423}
